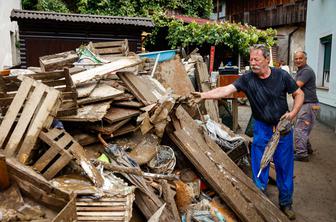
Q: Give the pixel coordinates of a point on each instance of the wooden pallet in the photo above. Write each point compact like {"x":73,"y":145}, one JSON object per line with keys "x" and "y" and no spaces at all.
{"x":58,"y":61}
{"x":60,"y":80}
{"x":116,"y":209}
{"x":62,"y":149}
{"x":107,"y":50}
{"x":38,"y":103}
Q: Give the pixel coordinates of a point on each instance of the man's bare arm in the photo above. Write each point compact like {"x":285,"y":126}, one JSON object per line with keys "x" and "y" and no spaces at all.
{"x":299,"y":83}
{"x":219,"y":92}
{"x":298,"y":97}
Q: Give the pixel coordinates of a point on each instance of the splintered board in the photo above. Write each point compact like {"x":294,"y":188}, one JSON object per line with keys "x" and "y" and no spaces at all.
{"x":116,"y":114}
{"x":202,"y":76}
{"x":172,"y":74}
{"x":62,"y":149}
{"x":100,"y":93}
{"x":144,"y":88}
{"x":38,"y":103}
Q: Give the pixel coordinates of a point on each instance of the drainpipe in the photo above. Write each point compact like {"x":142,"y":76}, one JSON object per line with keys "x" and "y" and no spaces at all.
{"x":289,"y":43}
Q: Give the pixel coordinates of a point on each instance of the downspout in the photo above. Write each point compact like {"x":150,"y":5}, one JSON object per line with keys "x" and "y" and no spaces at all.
{"x":289,"y":43}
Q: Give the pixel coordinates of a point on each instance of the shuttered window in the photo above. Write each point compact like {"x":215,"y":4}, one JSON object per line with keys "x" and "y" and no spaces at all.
{"x":326,"y":42}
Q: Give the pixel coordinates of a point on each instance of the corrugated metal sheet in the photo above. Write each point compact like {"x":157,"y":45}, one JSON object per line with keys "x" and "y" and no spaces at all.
{"x":17,"y":15}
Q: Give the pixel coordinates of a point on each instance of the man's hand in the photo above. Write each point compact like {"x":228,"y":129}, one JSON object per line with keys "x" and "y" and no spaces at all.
{"x":194,"y":98}
{"x":289,"y":116}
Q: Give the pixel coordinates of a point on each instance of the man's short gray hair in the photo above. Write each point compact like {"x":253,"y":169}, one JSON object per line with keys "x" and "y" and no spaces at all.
{"x":265,"y":49}
{"x":303,"y":52}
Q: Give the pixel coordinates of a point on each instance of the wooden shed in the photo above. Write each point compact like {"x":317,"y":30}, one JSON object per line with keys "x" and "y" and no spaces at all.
{"x":44,"y":33}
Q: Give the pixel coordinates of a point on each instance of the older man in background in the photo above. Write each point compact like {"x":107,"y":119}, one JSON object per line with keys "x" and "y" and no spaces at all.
{"x":306,"y":80}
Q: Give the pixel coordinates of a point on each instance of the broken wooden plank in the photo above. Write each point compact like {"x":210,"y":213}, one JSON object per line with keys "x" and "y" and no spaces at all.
{"x":128,"y":128}
{"x":108,"y":129}
{"x":172,"y":74}
{"x":58,"y":61}
{"x":168,"y":197}
{"x":142,"y":87}
{"x":103,"y":70}
{"x":148,"y":206}
{"x":232,"y":185}
{"x":115,"y":114}
{"x":85,"y":89}
{"x":100,"y":93}
{"x":202,"y":76}
{"x":129,"y":104}
{"x":89,"y":112}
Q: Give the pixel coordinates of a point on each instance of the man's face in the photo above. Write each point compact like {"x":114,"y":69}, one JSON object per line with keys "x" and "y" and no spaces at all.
{"x":300,"y":59}
{"x":258,"y":63}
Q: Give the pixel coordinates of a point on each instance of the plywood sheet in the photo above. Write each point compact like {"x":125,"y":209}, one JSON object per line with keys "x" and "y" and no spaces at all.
{"x":172,"y":74}
{"x":91,"y":113}
{"x":116,"y":114}
{"x":101,"y":92}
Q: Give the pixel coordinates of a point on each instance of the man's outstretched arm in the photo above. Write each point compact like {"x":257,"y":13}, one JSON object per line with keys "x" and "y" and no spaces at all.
{"x":218,"y":93}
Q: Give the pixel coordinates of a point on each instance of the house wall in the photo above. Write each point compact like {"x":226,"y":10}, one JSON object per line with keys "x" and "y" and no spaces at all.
{"x":9,"y":34}
{"x":292,"y":37}
{"x":266,"y":13}
{"x":321,"y":18}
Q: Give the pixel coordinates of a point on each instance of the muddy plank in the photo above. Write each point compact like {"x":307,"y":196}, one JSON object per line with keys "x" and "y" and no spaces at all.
{"x":101,"y":92}
{"x":130,"y":104}
{"x":106,"y":128}
{"x":89,"y":113}
{"x":142,"y":87}
{"x":116,"y":114}
{"x":232,"y":185}
{"x":202,"y":76}
{"x":128,"y":128}
{"x":84,"y":90}
{"x":172,"y":74}
{"x":101,"y":71}
{"x":58,"y":61}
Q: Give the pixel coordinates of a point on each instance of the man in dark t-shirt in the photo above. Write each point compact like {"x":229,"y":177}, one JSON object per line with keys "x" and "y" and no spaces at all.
{"x":306,"y":80}
{"x":266,"y":89}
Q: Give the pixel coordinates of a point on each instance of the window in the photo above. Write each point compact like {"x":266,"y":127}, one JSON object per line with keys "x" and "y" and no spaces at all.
{"x":326,"y":42}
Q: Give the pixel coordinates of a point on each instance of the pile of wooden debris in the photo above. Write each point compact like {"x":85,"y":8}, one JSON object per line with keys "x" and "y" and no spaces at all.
{"x":87,"y":143}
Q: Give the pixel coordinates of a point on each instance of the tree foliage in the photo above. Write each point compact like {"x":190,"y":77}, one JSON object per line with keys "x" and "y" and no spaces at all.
{"x":201,"y":8}
{"x":234,"y":35}
{"x":52,"y":5}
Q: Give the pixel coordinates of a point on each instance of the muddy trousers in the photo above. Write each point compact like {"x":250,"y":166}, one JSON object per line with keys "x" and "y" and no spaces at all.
{"x":283,"y":160}
{"x":304,"y":124}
